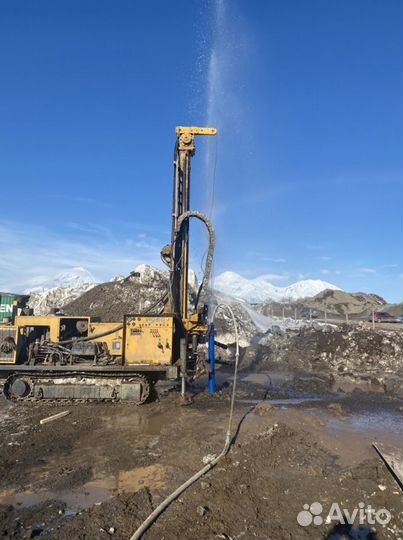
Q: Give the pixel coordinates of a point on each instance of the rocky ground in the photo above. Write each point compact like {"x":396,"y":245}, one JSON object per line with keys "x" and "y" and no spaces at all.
{"x":355,"y":353}
{"x":98,"y":472}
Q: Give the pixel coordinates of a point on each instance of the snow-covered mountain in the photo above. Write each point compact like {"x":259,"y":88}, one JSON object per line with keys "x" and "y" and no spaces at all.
{"x":260,"y":289}
{"x":144,"y":286}
{"x":74,"y":277}
{"x":60,"y":290}
{"x":74,"y":282}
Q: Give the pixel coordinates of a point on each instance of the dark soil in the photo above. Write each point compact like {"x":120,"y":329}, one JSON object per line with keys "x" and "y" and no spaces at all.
{"x":281,"y":459}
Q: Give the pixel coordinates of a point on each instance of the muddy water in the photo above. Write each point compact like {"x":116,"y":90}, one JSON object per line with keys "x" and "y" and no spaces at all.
{"x":148,"y":434}
{"x":147,"y":427}
{"x":344,"y":421}
{"x":93,"y":492}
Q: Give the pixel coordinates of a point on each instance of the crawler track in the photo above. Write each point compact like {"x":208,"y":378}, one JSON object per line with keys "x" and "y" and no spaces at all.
{"x":59,"y":388}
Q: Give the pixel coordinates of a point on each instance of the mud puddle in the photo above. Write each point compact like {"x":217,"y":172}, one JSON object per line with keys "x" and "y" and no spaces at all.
{"x":94,"y":492}
{"x":284,"y":402}
{"x":348,"y":434}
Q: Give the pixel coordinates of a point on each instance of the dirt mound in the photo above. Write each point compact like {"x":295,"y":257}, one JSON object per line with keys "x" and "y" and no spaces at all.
{"x":356,"y":350}
{"x":110,"y":301}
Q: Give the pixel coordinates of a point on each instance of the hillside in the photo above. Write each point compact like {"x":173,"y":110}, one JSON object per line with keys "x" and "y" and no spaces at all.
{"x":335,"y":302}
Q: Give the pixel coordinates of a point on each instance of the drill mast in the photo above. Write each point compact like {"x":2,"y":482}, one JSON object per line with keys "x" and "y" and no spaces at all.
{"x":184,"y":151}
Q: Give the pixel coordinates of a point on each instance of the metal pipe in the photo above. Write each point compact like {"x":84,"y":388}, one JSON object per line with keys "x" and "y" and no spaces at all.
{"x":211,"y":354}
{"x":183,"y":358}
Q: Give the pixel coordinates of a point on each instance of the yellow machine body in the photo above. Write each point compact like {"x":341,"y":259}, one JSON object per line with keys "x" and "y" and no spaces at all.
{"x":56,"y":326}
{"x":114,"y":341}
{"x":140,"y":340}
{"x":148,"y":340}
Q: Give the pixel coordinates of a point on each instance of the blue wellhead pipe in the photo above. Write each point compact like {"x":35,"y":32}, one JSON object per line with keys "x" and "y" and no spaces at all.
{"x":211,"y":355}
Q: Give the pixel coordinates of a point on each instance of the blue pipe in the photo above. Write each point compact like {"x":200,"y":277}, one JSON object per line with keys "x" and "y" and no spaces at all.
{"x":211,"y":355}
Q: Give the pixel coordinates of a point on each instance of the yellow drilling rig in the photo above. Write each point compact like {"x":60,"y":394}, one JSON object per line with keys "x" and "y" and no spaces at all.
{"x":73,"y":358}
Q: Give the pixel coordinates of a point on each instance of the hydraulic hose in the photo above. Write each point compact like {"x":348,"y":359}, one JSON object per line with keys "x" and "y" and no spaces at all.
{"x":90,"y":338}
{"x":174,"y":495}
{"x":210,"y":253}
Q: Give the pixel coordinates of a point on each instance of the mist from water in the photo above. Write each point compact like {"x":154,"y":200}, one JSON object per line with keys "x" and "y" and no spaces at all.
{"x":224,"y":103}
{"x":218,"y":100}
{"x":225,"y":109}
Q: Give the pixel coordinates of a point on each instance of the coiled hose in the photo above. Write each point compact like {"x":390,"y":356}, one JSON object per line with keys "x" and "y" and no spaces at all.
{"x":211,"y":246}
{"x":174,"y":495}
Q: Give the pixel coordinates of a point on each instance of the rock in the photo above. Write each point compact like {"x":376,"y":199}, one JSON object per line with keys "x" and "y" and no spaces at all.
{"x":208,"y":458}
{"x":337,"y":409}
{"x":393,"y":387}
{"x":185,"y":400}
{"x":262,"y":409}
{"x":276,"y":330}
{"x":202,"y":510}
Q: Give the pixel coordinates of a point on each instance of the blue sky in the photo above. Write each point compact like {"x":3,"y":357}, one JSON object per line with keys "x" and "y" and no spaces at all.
{"x":304,"y":180}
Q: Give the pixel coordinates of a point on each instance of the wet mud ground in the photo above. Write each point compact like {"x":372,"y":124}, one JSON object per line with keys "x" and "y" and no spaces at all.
{"x":98,"y":472}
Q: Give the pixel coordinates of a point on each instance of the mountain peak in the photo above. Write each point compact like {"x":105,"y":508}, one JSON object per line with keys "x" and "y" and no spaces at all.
{"x":259,"y":290}
{"x":70,"y":277}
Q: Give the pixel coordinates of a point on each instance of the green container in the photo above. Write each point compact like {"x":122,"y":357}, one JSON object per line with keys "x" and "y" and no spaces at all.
{"x":6,"y":307}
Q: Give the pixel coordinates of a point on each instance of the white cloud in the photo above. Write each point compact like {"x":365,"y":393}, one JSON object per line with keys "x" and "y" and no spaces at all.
{"x":276,"y":260}
{"x":325,"y":271}
{"x":324,"y":258}
{"x":368,"y":270}
{"x":32,"y":254}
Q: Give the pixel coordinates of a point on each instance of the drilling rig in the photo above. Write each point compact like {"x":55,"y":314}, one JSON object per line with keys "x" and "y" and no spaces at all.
{"x":58,"y":357}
